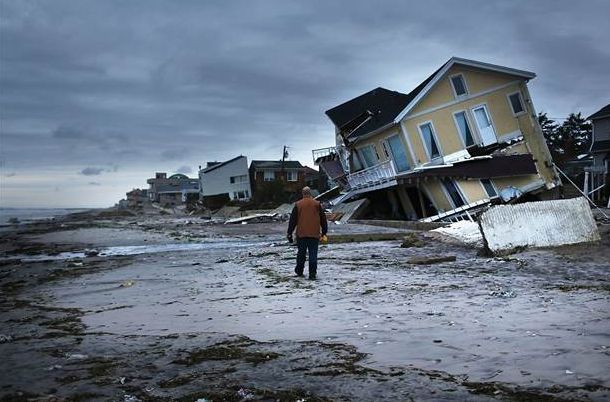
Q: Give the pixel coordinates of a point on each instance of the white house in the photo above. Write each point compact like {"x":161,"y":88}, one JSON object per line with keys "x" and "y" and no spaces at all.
{"x":229,"y":177}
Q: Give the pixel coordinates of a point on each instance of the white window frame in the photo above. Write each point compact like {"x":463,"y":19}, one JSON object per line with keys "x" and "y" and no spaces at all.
{"x":473,"y":133}
{"x":455,"y":94}
{"x":362,"y":160}
{"x":423,"y":140}
{"x":290,"y":174}
{"x":265,"y":178}
{"x":388,"y":150}
{"x":474,"y":118}
{"x":493,"y":185}
{"x":510,"y":104}
{"x":459,"y":189}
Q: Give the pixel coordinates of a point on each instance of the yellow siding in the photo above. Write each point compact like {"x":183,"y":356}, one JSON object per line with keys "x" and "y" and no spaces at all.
{"x":476,"y":81}
{"x":439,"y":199}
{"x":377,"y":142}
{"x":472,"y":190}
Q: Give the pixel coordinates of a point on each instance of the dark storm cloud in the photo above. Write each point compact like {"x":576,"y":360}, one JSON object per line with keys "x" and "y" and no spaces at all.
{"x":91,"y":171}
{"x":158,"y":84}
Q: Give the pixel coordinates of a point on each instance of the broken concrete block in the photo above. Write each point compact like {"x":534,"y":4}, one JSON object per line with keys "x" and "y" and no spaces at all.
{"x":538,"y":224}
{"x":466,"y":232}
{"x":424,"y":260}
{"x":412,"y":240}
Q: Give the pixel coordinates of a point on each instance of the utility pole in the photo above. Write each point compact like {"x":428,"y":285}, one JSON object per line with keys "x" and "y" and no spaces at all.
{"x":284,"y":155}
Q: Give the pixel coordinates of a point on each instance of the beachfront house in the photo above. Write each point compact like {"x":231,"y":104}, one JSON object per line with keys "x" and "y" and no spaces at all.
{"x":229,"y":178}
{"x":466,"y":136}
{"x":174,"y":190}
{"x":597,"y":179}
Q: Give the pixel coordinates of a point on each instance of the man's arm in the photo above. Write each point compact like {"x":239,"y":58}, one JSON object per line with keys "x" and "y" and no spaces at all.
{"x":292,"y":224}
{"x":323,"y":222}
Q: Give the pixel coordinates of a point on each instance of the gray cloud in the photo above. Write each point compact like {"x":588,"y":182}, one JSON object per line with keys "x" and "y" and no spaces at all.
{"x":184,"y":169}
{"x":94,"y":183}
{"x":92,"y":171}
{"x":155,"y":85}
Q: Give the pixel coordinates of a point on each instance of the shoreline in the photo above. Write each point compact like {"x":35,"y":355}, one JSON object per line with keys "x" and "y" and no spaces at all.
{"x":226,"y":323}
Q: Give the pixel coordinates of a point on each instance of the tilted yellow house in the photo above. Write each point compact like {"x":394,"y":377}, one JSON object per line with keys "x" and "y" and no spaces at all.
{"x":467,"y":136}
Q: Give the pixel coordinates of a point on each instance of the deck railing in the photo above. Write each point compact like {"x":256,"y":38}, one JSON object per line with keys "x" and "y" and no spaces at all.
{"x":374,"y":175}
{"x":321,"y":152}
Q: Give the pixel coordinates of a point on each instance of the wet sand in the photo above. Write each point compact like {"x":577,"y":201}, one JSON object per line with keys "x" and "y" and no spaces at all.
{"x":165,"y":308}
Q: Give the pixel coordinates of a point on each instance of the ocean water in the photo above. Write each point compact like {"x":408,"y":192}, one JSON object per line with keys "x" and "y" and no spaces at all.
{"x":25,"y":215}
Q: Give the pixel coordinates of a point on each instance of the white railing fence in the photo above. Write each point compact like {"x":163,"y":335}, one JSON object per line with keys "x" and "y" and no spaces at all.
{"x":382,"y":172}
{"x":321,"y":152}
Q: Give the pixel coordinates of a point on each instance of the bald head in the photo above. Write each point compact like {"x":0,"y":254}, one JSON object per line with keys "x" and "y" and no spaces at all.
{"x":306,"y":191}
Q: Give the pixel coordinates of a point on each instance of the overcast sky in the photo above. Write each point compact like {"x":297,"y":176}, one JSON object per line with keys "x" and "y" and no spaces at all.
{"x":95,"y":96}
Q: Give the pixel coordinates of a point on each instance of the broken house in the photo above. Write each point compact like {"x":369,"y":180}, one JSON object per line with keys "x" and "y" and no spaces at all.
{"x":597,"y":181}
{"x":137,"y":198}
{"x":229,"y":179}
{"x":465,"y":137}
{"x":172,"y":191}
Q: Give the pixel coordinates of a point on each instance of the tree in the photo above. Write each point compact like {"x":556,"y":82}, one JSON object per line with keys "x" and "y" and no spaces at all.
{"x":569,"y":140}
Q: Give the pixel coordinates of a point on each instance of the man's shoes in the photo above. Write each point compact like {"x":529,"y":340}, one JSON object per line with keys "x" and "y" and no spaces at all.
{"x":299,"y":275}
{"x":312,"y":277}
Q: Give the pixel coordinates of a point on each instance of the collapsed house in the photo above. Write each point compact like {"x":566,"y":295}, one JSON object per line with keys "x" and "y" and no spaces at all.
{"x":172,"y":191}
{"x":466,"y":137}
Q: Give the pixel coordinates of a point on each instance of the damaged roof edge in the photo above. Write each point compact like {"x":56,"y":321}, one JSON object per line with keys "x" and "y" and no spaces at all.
{"x":450,"y":63}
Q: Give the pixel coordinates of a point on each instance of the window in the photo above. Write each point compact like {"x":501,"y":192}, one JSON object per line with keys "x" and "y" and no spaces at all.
{"x":516,"y":103}
{"x":429,"y":140}
{"x":464,"y":128}
{"x":486,"y":128}
{"x":232,"y":180}
{"x":459,"y":86}
{"x":239,"y":179}
{"x":368,"y":156}
{"x":398,"y":153}
{"x":292,"y":175}
{"x":268,"y":175}
{"x":453,"y":192}
{"x":489,"y":188}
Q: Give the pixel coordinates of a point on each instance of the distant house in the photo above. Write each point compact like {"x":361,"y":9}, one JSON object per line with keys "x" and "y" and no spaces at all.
{"x":316,"y":179}
{"x":171,"y":191}
{"x":230,"y":177}
{"x":136,"y":198}
{"x":600,"y":150}
{"x":290,"y":173}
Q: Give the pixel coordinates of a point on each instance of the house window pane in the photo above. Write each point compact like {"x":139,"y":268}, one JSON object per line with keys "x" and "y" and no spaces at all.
{"x":515,"y":102}
{"x":459,"y":85}
{"x":430,"y":141}
{"x":453,"y":192}
{"x":398,"y":153}
{"x":489,"y":188}
{"x":368,"y":156}
{"x":464,"y":128}
{"x":269,"y":175}
{"x":291,"y":175}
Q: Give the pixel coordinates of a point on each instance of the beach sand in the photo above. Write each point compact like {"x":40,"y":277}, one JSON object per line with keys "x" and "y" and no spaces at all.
{"x":161,"y":308}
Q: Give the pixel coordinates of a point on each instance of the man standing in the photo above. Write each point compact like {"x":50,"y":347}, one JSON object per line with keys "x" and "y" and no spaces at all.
{"x":310,"y":221}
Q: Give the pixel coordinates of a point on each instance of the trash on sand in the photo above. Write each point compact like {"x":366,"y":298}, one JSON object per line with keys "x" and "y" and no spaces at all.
{"x":569,"y":372}
{"x":54,"y":367}
{"x":256,"y":218}
{"x":423,"y":260}
{"x":91,"y":253}
{"x":5,"y":338}
{"x":76,"y":356}
{"x":131,"y":398}
{"x":245,"y":394}
{"x":506,"y":228}
{"x":411,"y":240}
{"x":128,"y":283}
{"x":202,"y":400}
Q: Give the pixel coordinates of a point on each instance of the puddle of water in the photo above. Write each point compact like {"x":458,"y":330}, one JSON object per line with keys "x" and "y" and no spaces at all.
{"x":136,"y":250}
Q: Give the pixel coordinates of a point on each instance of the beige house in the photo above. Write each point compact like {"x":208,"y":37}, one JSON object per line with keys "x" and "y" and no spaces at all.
{"x":467,"y":136}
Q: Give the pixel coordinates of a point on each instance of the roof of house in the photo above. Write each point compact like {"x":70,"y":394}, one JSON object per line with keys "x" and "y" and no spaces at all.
{"x":217,"y":165}
{"x":603,"y":112}
{"x":275,"y":165}
{"x":381,"y":107}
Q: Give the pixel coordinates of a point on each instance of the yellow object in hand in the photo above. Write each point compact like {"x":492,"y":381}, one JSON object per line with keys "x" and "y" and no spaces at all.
{"x":324,"y":239}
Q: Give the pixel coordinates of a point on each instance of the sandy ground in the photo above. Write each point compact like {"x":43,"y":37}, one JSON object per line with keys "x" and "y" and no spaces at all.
{"x":174,"y":309}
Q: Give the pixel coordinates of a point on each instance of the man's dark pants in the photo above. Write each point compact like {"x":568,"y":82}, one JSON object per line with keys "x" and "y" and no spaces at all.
{"x":307,"y":244}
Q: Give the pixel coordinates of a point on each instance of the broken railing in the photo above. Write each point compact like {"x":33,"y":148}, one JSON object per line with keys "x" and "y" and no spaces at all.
{"x":380,"y":174}
{"x":465,"y":212}
{"x":322,"y":152}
